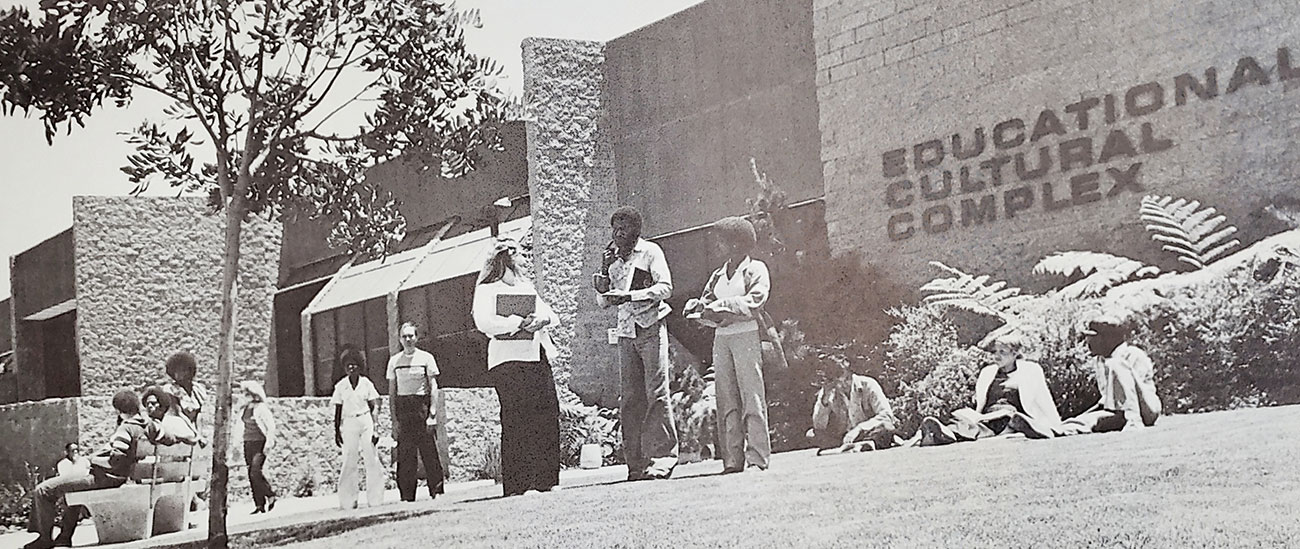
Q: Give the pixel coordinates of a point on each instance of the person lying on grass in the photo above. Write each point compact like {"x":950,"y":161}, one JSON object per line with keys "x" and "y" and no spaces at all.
{"x":1011,"y":396}
{"x":850,"y":413}
{"x":1125,"y":380}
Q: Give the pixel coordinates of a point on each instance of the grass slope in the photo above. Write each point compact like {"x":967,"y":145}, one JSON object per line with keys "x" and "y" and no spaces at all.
{"x":1223,"y":479}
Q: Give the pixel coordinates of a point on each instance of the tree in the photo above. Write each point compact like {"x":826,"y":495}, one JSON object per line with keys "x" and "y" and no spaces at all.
{"x":259,"y":89}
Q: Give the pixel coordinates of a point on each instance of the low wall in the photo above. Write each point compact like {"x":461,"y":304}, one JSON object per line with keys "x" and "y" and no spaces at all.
{"x":35,"y":432}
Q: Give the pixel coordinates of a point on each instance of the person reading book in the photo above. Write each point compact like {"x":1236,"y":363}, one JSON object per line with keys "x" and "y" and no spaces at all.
{"x":508,"y":310}
{"x":649,"y":436}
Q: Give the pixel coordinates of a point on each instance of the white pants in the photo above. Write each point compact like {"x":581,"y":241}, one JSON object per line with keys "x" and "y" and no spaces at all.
{"x":358,"y":432}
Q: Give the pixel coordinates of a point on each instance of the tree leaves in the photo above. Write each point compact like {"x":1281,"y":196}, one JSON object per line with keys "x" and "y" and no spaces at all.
{"x":1192,"y":234}
{"x":1096,"y":272}
{"x":974,"y":293}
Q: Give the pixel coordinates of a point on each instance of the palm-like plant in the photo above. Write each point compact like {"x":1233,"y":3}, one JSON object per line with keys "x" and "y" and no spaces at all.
{"x":1183,"y":229}
{"x":975,"y":293}
{"x":1098,"y":272}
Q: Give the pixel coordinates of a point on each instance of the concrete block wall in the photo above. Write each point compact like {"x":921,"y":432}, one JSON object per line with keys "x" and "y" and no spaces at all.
{"x":34,"y":434}
{"x":571,"y":183}
{"x":912,"y":92}
{"x":148,"y":275}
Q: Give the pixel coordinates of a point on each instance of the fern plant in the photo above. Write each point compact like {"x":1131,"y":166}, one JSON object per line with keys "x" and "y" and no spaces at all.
{"x":1097,"y":272}
{"x":975,"y":294}
{"x":1193,"y":234}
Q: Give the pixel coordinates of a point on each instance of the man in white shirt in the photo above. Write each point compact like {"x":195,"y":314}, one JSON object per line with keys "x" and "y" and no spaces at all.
{"x":1125,"y":379}
{"x":356,"y":413}
{"x":73,"y":463}
{"x":412,"y":391}
{"x":634,"y":277}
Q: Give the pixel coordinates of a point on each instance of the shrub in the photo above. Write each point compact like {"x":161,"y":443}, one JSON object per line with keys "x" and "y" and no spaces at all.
{"x":16,"y":500}
{"x":581,"y":424}
{"x":488,"y":464}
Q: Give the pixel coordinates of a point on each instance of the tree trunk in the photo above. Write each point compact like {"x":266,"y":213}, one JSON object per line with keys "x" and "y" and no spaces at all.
{"x":217,"y":536}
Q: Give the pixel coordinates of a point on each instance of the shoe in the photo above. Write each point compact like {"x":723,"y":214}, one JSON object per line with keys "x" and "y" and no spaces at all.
{"x":658,"y":475}
{"x":40,"y":543}
{"x":731,"y":470}
{"x":270,"y":503}
{"x":755,"y":467}
{"x":63,"y":542}
{"x":1020,"y":424}
{"x":258,"y":510}
{"x":933,"y":433}
{"x":633,"y":476}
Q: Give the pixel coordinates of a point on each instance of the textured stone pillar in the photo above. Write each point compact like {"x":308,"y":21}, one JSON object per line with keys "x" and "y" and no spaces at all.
{"x":148,"y":279}
{"x":571,"y":180}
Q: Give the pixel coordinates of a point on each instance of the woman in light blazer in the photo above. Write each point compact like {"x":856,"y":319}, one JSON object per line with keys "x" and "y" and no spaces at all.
{"x":1011,"y":396}
{"x":508,"y":310}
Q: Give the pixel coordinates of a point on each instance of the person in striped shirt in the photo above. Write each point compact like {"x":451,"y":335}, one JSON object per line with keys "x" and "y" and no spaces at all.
{"x":109,"y":468}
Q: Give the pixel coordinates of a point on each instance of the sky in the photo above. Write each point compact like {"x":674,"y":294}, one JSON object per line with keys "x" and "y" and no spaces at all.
{"x":38,"y":181}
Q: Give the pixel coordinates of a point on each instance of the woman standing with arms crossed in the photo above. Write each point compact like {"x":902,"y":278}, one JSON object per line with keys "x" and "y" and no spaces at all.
{"x":508,"y":310}
{"x":259,"y":438}
{"x":732,"y":300}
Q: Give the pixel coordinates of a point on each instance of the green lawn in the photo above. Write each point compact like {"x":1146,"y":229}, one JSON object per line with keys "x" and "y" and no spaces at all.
{"x":1225,"y":479}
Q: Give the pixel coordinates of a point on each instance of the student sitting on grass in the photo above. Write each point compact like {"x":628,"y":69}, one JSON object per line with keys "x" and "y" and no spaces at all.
{"x":1125,"y":379}
{"x":850,"y":413}
{"x":1011,"y":396}
{"x":108,"y":469}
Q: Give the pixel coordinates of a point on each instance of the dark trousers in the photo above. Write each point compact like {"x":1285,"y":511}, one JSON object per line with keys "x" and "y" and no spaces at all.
{"x":48,"y":494}
{"x":255,"y":458}
{"x":414,"y":437}
{"x":530,"y":426}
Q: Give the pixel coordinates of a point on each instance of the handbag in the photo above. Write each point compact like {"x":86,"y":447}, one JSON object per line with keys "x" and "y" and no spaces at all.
{"x":774,"y":360}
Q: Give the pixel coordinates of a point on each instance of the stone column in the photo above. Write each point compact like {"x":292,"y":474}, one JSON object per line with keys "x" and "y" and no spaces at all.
{"x":571,"y":180}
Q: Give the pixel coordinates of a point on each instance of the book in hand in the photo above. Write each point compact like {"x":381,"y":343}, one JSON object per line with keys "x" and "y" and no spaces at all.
{"x":641,"y":279}
{"x":520,"y":305}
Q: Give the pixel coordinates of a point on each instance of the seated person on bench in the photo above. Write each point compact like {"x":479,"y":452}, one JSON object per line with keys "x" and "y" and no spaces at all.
{"x":163,"y":409}
{"x":109,"y":468}
{"x":851,"y":413}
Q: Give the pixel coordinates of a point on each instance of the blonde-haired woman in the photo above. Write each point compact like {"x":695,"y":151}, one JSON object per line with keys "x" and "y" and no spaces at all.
{"x":1011,"y":396}
{"x":259,"y":438}
{"x":508,"y":310}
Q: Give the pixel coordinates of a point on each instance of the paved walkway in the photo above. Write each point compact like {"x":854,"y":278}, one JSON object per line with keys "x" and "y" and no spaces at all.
{"x":321,"y":512}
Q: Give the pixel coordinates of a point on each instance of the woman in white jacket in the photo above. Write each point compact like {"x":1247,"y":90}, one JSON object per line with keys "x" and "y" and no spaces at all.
{"x":508,"y":310}
{"x":1011,"y":396}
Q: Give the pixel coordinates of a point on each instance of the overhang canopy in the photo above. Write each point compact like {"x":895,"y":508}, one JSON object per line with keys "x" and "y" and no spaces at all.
{"x":442,"y":260}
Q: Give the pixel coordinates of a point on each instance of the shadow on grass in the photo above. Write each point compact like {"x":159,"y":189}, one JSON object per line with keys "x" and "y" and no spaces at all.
{"x":579,"y":487}
{"x":293,"y":533}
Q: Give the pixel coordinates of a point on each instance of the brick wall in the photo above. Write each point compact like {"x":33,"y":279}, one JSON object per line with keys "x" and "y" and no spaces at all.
{"x":571,"y":181}
{"x":148,"y":274}
{"x":898,"y":81}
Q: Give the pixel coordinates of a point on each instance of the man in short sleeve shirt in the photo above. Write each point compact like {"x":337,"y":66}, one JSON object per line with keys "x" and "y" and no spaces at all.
{"x":412,"y":388}
{"x":356,"y":413}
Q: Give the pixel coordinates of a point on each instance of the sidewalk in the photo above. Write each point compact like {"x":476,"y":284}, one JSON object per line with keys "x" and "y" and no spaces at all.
{"x":303,"y":518}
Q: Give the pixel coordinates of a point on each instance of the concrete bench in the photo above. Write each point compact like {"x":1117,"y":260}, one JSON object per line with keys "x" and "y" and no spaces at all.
{"x":156,"y":500}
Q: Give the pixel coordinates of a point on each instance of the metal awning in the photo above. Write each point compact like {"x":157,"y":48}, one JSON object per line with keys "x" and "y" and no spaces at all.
{"x":463,"y":254}
{"x":440,"y":260}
